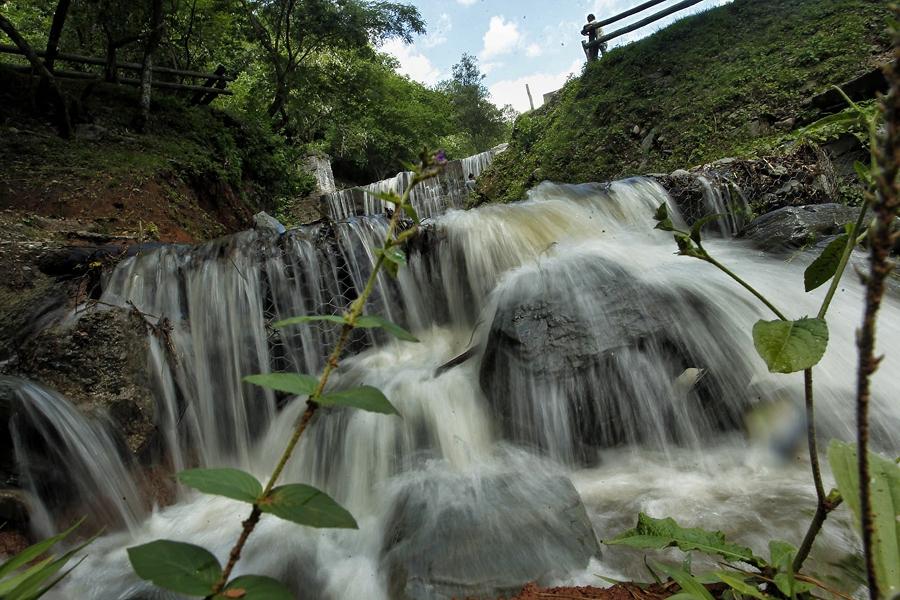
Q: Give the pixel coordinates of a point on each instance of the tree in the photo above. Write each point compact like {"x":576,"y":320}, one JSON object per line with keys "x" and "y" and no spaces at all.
{"x":476,"y":117}
{"x":289,"y":31}
{"x":59,"y":100}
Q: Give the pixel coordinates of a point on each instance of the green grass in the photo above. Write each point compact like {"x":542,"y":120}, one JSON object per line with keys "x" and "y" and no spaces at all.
{"x":701,"y":83}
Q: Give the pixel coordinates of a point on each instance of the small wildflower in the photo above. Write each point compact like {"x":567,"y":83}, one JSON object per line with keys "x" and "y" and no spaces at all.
{"x":440,"y":158}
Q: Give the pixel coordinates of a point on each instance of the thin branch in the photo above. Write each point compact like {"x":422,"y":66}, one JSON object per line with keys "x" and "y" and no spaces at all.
{"x":885,"y":205}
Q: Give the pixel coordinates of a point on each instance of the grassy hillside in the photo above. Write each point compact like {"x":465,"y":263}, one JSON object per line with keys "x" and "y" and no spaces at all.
{"x":712,"y":85}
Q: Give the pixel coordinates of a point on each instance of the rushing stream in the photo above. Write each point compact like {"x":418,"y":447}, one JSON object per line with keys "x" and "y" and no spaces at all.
{"x":584,"y":331}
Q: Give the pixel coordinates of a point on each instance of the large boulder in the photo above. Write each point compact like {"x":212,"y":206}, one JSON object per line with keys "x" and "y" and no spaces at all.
{"x":588,"y":356}
{"x":100,"y":363}
{"x":793,"y":227}
{"x":458,"y":536}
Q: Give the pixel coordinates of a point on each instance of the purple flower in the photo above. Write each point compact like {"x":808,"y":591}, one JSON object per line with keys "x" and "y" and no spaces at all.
{"x":440,"y":158}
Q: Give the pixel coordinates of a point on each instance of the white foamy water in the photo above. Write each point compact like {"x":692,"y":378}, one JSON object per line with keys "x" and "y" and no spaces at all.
{"x":579,"y":319}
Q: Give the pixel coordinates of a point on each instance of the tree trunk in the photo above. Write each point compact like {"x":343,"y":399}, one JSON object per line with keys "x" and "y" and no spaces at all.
{"x":110,"y":72}
{"x":62,"y":107}
{"x":152,"y":43}
{"x":56,"y":28}
{"x":280,"y":97}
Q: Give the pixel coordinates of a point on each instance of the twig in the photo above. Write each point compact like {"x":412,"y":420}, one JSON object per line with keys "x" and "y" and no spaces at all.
{"x":885,"y":206}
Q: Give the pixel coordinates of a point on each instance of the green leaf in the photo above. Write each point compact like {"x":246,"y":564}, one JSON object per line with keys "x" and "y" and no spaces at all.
{"x":340,"y":320}
{"x":824,"y":267}
{"x":410,"y":211}
{"x":781,"y":556}
{"x":231,"y":483}
{"x":32,"y":552}
{"x":364,"y":398}
{"x":176,"y":566}
{"x":688,"y":584}
{"x":32,"y":583}
{"x":255,"y":587}
{"x":306,"y":505}
{"x":665,"y":225}
{"x":864,"y":172}
{"x":666,"y":533}
{"x":662,"y":212}
{"x":698,"y":226}
{"x":393,"y":254}
{"x":390,"y":197}
{"x":737,"y":582}
{"x":374,"y":321}
{"x":292,"y":383}
{"x":791,"y":346}
{"x":885,"y":497}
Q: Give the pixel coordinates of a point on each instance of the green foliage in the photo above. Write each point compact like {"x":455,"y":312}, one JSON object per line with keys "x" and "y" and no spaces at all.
{"x":231,"y":483}
{"x":480,"y":123}
{"x":32,"y":572}
{"x":781,"y":557}
{"x":885,"y":494}
{"x":363,"y":322}
{"x":176,"y":566}
{"x":823,"y":268}
{"x":305,"y":505}
{"x":292,"y":383}
{"x":365,"y":398}
{"x":791,"y":346}
{"x":707,"y":84}
{"x":666,"y":533}
{"x":690,"y":586}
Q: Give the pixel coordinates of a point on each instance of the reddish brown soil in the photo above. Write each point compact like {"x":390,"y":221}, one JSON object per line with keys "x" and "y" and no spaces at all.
{"x":12,"y":542}
{"x":169,"y":211}
{"x":624,"y":591}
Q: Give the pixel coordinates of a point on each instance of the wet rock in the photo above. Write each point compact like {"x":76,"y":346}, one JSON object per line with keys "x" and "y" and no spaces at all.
{"x":786,"y":124}
{"x":100,"y":364}
{"x":263,"y":221}
{"x":456,"y":536}
{"x":13,"y":508}
{"x":792,"y":227}
{"x":586,"y":355}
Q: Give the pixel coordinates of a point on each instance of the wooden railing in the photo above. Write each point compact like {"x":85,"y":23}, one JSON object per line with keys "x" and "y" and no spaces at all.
{"x":591,"y":47}
{"x":214,"y":84}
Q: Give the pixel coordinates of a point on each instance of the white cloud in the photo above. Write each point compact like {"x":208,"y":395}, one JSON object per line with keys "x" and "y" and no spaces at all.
{"x":412,"y":62}
{"x":489,"y":67}
{"x":467,"y":2}
{"x":512,"y":91}
{"x":502,"y":37}
{"x":438,"y":35}
{"x":533,"y":50}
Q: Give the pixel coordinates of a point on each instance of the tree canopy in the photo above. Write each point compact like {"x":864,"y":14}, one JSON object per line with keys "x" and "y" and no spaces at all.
{"x":308,"y":70}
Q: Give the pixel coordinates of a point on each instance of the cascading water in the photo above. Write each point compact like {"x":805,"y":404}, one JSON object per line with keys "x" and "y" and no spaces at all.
{"x":431,"y":198}
{"x":572,"y":325}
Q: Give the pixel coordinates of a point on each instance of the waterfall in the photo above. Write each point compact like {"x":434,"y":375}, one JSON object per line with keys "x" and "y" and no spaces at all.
{"x":570,"y":329}
{"x":430,"y":199}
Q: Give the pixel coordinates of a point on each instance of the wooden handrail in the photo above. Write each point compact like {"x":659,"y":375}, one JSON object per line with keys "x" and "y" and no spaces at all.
{"x":168,"y":85}
{"x":90,"y":60}
{"x":642,"y":23}
{"x":620,"y":16}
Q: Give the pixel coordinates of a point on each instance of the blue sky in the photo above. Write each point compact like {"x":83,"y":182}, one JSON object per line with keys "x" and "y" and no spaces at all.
{"x":516,"y":41}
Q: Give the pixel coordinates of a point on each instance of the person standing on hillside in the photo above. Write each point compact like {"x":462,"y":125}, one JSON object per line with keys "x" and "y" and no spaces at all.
{"x":593,"y":33}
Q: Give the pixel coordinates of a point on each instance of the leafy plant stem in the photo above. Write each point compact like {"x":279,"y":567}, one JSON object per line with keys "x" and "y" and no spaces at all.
{"x":746,"y":285}
{"x":356,"y":310}
{"x":845,"y":258}
{"x":823,"y":505}
{"x":885,"y":205}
